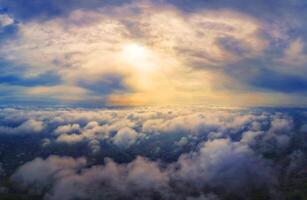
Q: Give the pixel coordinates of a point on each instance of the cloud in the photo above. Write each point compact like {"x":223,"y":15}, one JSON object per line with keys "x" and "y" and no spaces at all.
{"x":30,"y":126}
{"x":69,"y":128}
{"x":72,"y":138}
{"x":154,"y":152}
{"x":294,"y":55}
{"x":127,"y":128}
{"x":218,"y":164}
{"x":205,"y":50}
{"x":139,"y":179}
{"x":39,"y":174}
{"x":125,"y":137}
{"x":5,"y":20}
{"x":226,"y":164}
{"x":183,"y":141}
{"x":65,"y":93}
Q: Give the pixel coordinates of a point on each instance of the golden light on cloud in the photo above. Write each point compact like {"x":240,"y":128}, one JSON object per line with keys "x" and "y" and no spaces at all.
{"x":159,"y":55}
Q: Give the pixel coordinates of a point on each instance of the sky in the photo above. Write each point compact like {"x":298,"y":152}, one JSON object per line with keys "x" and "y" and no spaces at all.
{"x":98,"y":52}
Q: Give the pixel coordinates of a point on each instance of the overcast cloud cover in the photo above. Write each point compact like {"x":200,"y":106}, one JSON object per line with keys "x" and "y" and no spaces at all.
{"x":123,"y":52}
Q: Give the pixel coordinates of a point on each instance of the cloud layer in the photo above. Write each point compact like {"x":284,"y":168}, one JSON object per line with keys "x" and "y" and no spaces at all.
{"x":154,"y":153}
{"x":124,"y":53}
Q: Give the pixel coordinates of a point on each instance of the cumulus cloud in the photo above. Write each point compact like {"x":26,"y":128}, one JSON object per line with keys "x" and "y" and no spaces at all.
{"x":126,"y":127}
{"x":226,"y":164}
{"x":139,"y":179}
{"x":125,"y":137}
{"x":67,"y":129}
{"x":73,"y":138}
{"x":37,"y":175}
{"x":30,"y":126}
{"x":183,"y":141}
{"x":218,"y":164}
{"x":167,"y":153}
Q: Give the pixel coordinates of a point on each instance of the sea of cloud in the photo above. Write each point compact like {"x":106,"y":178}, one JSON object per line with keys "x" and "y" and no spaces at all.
{"x":156,"y":152}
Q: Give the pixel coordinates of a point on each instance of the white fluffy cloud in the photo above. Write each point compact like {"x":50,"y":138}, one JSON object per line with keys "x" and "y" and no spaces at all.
{"x":30,"y":126}
{"x":125,"y":127}
{"x":218,"y":164}
{"x":138,"y":178}
{"x":67,"y":129}
{"x":70,"y":139}
{"x":222,"y":163}
{"x":196,"y":152}
{"x":125,"y":137}
{"x":39,"y":174}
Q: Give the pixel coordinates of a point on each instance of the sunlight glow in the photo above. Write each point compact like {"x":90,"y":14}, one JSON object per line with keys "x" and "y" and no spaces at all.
{"x":139,"y":57}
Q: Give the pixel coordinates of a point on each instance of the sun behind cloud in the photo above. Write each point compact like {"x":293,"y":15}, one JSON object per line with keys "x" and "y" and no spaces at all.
{"x":153,"y":53}
{"x":139,"y":57}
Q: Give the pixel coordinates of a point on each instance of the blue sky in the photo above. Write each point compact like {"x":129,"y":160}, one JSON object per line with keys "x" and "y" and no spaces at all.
{"x":235,"y":52}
